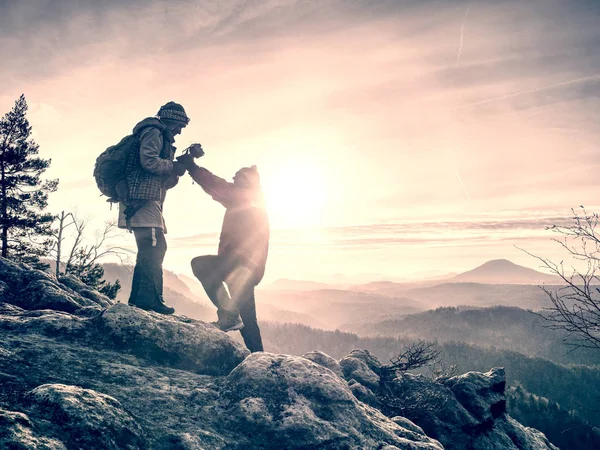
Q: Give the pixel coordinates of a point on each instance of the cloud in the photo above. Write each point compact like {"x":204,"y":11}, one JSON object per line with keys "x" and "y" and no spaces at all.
{"x":394,"y":234}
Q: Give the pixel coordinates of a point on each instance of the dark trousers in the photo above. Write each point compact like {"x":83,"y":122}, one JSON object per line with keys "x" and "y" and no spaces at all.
{"x":216,"y":271}
{"x":147,"y":282}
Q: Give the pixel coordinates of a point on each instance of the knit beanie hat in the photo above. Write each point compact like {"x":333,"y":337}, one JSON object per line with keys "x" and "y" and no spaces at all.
{"x":173,"y":112}
{"x":249,"y":177}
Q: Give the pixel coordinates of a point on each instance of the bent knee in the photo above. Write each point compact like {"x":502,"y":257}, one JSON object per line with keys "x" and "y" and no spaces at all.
{"x":202,"y":264}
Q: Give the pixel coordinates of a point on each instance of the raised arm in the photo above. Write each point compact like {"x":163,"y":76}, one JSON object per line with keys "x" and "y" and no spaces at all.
{"x":222,"y":191}
{"x":219,"y":189}
{"x":151,"y":143}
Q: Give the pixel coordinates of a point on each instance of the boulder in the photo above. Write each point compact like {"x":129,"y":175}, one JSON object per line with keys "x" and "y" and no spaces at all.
{"x":56,"y":324}
{"x":526,"y":438}
{"x":325,"y":360}
{"x":34,"y":289}
{"x":363,"y":367}
{"x":86,"y":418}
{"x":175,"y":341}
{"x":467,"y":412}
{"x":404,"y":422}
{"x":481,"y":394}
{"x":167,"y":340}
{"x":428,"y":404}
{"x":281,"y":401}
{"x":368,"y":358}
{"x":363,"y":394}
{"x":16,"y":432}
{"x":78,"y":286}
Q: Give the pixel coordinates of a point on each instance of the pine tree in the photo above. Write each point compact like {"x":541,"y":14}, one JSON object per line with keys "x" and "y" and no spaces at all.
{"x":24,"y":226}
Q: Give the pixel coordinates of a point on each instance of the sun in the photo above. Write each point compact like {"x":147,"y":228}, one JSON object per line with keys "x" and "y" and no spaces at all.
{"x":296,"y":195}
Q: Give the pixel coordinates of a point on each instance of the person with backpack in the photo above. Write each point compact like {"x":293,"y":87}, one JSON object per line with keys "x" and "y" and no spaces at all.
{"x":243,"y":249}
{"x":150,"y":171}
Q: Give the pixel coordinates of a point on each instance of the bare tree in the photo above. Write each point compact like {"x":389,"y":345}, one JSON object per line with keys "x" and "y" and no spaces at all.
{"x":65,"y":220}
{"x":414,"y":356}
{"x":85,"y":255}
{"x":575,"y":307}
{"x":430,"y":397}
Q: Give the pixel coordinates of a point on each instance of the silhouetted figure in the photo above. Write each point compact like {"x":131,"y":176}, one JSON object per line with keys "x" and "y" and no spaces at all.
{"x":243,"y":249}
{"x":150,"y":172}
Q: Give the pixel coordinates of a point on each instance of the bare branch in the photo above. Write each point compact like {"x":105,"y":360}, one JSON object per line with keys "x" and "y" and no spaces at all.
{"x":575,"y":307}
{"x":414,"y":356}
{"x":392,"y":394}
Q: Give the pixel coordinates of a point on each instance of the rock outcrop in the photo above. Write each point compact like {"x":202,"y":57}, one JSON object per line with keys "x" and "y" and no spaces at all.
{"x":297,"y":403}
{"x":37,"y":290}
{"x":325,"y":360}
{"x":16,"y":432}
{"x":85,"y":418}
{"x":463,"y":412}
{"x":170,"y":340}
{"x":78,"y":371}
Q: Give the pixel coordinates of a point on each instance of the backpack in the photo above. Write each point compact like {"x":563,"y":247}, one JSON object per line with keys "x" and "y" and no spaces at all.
{"x":110,"y":169}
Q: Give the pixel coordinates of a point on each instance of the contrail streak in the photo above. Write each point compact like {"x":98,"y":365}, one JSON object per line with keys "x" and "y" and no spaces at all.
{"x":462,"y":36}
{"x":460,"y":48}
{"x":531,"y":91}
{"x":462,"y":185}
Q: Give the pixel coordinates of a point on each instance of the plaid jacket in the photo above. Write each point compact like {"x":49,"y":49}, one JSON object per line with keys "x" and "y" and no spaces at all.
{"x":141,"y":183}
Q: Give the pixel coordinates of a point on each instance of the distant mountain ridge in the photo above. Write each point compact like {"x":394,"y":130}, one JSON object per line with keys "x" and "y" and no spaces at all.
{"x":496,"y":271}
{"x":333,"y":307}
{"x":286,"y":284}
{"x":497,"y":282}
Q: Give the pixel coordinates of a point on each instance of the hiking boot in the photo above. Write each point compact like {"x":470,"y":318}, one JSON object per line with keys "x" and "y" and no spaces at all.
{"x":229,"y":324}
{"x":162,"y":309}
{"x":143,"y":306}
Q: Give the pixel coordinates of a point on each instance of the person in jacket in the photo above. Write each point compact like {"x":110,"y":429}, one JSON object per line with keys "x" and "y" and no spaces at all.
{"x":242,"y":254}
{"x":151,"y":171}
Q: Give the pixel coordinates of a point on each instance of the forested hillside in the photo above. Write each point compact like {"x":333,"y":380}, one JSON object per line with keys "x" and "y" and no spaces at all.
{"x":497,"y":327}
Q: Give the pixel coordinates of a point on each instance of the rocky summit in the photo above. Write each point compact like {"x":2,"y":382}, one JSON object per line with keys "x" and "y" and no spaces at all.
{"x":78,"y":371}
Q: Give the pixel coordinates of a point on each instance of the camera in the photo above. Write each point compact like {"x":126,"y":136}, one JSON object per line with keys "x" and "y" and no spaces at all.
{"x":195,"y":150}
{"x":189,"y":154}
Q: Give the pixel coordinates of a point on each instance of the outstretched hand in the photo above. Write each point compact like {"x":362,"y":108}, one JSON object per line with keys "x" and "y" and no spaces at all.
{"x":186,"y":160}
{"x":179,"y":168}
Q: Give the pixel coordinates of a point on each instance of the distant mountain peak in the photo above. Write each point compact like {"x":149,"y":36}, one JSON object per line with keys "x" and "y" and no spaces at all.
{"x":500,"y":261}
{"x":503,"y":271}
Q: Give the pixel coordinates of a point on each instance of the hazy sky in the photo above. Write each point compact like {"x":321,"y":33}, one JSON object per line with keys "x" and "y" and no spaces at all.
{"x":393,"y":137}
